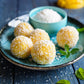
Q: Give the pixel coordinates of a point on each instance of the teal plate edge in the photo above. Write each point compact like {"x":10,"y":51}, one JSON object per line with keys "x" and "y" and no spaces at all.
{"x":43,"y":68}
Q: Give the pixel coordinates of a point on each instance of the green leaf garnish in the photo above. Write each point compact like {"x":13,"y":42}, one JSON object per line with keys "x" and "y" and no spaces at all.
{"x":63,"y":82}
{"x":62,"y":52}
{"x":80,"y":73}
{"x":81,"y":29}
{"x":66,"y":47}
{"x":68,"y":52}
{"x":74,"y":50}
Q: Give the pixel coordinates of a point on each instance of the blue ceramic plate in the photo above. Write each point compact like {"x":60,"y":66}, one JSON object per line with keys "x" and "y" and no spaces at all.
{"x":7,"y":35}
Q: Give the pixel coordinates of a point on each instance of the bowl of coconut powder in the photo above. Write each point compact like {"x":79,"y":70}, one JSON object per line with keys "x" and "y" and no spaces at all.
{"x":49,"y":18}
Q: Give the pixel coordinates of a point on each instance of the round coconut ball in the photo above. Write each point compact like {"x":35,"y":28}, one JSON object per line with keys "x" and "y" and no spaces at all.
{"x":39,"y":34}
{"x":23,"y":29}
{"x":43,"y":52}
{"x":21,"y":46}
{"x":67,"y":35}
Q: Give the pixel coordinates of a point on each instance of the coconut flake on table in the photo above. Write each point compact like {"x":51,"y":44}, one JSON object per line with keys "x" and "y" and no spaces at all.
{"x":48,"y":16}
{"x":18,"y":20}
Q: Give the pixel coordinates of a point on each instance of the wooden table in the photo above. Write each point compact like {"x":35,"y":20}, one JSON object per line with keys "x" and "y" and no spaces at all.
{"x":11,"y":74}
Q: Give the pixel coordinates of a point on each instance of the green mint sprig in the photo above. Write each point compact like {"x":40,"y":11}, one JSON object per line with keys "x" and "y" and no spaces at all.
{"x":80,"y":29}
{"x":80,"y":73}
{"x":68,"y":52}
{"x":63,"y":82}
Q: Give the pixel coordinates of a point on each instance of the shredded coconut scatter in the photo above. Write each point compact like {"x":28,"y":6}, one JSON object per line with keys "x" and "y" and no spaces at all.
{"x":67,"y":35}
{"x":21,"y":46}
{"x":43,"y":52}
{"x":47,"y":16}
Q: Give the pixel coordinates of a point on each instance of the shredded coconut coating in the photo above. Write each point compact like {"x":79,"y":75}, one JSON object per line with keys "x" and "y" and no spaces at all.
{"x":39,"y":34}
{"x":67,"y":35}
{"x":43,"y":52}
{"x":21,"y":46}
{"x":23,"y":29}
{"x":48,"y":16}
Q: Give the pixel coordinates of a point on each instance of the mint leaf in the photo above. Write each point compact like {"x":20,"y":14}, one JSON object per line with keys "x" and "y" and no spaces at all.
{"x":74,"y":50}
{"x":68,"y":54}
{"x":66,"y":47}
{"x":80,"y":73}
{"x":62,"y":52}
{"x":81,"y":29}
{"x":63,"y":82}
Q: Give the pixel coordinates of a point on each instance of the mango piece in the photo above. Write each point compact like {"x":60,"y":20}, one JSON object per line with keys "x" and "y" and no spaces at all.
{"x":71,"y":4}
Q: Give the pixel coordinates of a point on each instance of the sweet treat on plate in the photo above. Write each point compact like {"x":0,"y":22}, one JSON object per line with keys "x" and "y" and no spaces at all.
{"x":21,"y":46}
{"x":43,"y":52}
{"x":39,"y":34}
{"x":67,"y":35}
{"x":47,"y":16}
{"x":71,"y":4}
{"x":23,"y":29}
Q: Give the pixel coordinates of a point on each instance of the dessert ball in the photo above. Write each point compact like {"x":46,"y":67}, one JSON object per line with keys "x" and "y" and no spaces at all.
{"x":23,"y":29}
{"x":43,"y":52}
{"x":39,"y":34}
{"x":21,"y":46}
{"x":67,"y":35}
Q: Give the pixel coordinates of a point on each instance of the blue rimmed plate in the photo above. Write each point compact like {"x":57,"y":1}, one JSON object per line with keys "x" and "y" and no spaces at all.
{"x":7,"y":35}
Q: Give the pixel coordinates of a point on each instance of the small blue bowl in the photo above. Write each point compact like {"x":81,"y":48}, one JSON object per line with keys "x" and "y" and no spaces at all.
{"x":48,"y":27}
